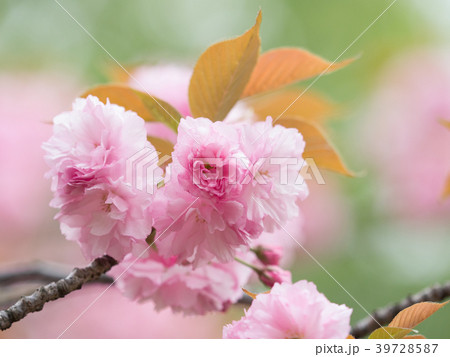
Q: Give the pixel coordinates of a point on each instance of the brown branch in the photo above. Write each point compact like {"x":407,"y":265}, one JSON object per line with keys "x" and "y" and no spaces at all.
{"x":55,"y":290}
{"x":383,"y":316}
{"x":42,"y":273}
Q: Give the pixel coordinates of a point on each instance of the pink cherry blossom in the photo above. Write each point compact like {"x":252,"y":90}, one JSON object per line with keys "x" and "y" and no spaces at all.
{"x":207,"y":159}
{"x":87,"y":156}
{"x":200,"y":214}
{"x":214,"y":200}
{"x":275,"y":155}
{"x":211,"y":287}
{"x":292,"y":311}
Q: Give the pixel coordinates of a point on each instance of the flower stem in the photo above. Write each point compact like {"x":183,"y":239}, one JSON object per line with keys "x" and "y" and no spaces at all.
{"x":249,"y":265}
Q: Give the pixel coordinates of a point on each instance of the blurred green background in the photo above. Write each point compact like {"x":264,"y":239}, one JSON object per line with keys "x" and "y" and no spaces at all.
{"x":380,"y":261}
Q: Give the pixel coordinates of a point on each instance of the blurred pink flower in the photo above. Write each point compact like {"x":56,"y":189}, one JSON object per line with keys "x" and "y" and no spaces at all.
{"x":292,"y":311}
{"x":327,"y":217}
{"x":169,"y":82}
{"x":87,"y":154}
{"x":211,"y":287}
{"x":411,"y":151}
{"x":28,"y":101}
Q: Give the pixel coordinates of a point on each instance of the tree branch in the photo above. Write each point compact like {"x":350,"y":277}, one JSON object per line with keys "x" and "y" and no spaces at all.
{"x":55,"y":290}
{"x":40,"y":272}
{"x":385,"y":315}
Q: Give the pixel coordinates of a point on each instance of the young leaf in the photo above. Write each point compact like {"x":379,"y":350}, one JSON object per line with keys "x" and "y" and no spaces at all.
{"x":282,"y":66}
{"x":318,"y":146}
{"x":310,"y":105}
{"x":221,"y":74}
{"x":389,"y":333}
{"x":147,"y":107}
{"x":415,"y":314}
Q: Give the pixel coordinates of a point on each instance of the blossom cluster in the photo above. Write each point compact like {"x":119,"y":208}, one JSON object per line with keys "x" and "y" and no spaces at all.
{"x":192,"y":241}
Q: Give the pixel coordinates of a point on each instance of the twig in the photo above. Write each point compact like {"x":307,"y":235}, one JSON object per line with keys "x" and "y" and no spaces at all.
{"x":55,"y":290}
{"x":384,"y":315}
{"x":39,"y":272}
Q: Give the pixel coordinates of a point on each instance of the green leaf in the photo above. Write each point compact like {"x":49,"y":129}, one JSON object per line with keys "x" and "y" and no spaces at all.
{"x":221,"y":74}
{"x":389,"y":333}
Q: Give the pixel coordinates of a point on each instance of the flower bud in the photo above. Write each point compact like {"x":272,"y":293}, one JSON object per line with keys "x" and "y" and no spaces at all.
{"x":274,"y":274}
{"x":269,"y":256}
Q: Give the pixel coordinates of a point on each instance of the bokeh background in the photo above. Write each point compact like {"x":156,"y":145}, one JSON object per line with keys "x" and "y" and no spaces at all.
{"x":382,"y":235}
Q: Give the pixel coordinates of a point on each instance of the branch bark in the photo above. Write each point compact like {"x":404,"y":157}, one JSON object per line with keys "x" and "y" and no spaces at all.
{"x":384,"y":315}
{"x":40,"y":272}
{"x":55,"y":290}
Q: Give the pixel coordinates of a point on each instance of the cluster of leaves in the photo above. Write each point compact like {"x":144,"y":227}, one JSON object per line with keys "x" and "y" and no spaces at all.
{"x":232,"y":71}
{"x":403,"y":323}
